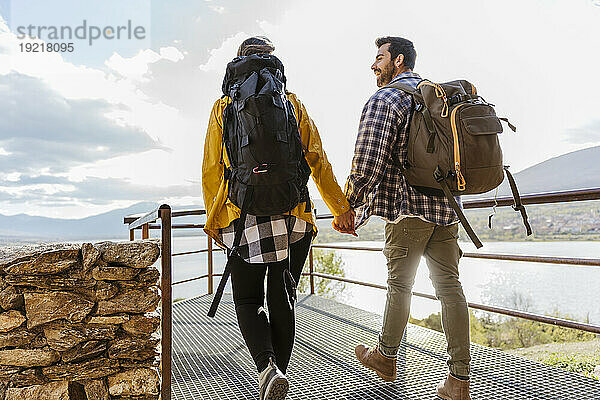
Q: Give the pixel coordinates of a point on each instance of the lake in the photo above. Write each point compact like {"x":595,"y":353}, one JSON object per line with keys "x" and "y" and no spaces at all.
{"x":542,"y":288}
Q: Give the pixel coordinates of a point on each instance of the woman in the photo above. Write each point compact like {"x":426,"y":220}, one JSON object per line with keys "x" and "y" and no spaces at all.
{"x":267,"y":241}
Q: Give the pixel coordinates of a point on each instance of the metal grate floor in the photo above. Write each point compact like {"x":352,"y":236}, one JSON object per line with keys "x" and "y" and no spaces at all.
{"x":210,"y":360}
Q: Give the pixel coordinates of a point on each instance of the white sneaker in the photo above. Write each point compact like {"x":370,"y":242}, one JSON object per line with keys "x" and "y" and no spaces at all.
{"x":272,"y":383}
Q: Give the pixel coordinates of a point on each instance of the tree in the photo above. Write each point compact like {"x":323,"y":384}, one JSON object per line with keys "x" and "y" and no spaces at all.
{"x":325,"y":262}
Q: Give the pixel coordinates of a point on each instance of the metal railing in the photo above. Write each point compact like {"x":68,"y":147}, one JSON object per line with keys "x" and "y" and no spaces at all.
{"x":148,"y":222}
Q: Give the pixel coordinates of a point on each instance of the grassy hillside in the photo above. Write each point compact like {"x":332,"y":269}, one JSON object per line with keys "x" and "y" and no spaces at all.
{"x":575,"y":221}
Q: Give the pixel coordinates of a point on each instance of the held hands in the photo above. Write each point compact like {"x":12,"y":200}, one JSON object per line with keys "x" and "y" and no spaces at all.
{"x":345,"y":223}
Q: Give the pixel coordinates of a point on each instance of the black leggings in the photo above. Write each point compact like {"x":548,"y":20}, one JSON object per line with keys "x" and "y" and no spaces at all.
{"x":273,"y":336}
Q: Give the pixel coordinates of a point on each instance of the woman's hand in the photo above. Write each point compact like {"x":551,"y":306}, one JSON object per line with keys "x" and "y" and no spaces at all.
{"x":345,"y":223}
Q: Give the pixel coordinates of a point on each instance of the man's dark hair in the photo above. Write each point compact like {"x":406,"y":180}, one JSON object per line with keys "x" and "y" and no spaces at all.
{"x":398,"y":46}
{"x":256,"y":45}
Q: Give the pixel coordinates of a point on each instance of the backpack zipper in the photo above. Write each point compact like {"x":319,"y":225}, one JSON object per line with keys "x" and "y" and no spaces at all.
{"x":461,"y":183}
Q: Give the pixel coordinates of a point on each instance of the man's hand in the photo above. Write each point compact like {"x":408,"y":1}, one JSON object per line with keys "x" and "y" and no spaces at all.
{"x":345,"y":223}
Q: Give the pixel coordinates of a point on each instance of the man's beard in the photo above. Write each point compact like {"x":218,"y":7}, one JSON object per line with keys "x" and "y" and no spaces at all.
{"x":386,"y":75}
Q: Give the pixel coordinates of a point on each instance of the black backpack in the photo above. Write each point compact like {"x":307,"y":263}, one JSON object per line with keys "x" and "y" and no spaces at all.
{"x":268,"y":173}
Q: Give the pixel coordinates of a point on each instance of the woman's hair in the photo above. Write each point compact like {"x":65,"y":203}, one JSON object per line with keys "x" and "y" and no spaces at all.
{"x":256,"y":45}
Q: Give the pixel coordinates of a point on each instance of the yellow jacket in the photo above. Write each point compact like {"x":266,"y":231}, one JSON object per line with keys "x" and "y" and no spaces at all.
{"x":221,"y":211}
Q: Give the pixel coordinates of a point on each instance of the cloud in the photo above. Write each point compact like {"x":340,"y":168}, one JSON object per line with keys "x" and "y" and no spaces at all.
{"x":217,"y":9}
{"x":588,"y":133}
{"x":219,"y":57}
{"x":91,"y":190}
{"x":136,"y":67}
{"x":41,"y":129}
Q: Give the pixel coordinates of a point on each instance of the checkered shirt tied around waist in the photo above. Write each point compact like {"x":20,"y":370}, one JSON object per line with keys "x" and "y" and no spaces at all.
{"x":376,"y":185}
{"x":265,"y":239}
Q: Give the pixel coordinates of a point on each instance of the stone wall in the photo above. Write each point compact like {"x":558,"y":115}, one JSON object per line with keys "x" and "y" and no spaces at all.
{"x":79,"y":322}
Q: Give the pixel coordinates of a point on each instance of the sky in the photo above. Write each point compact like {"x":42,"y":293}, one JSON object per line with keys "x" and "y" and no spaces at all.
{"x":123,"y":120}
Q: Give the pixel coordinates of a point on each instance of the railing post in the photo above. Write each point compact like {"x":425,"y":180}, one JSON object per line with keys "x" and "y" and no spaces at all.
{"x":145,"y":231}
{"x":311,"y":270}
{"x":132,"y":234}
{"x":210,"y":265}
{"x":167,"y":303}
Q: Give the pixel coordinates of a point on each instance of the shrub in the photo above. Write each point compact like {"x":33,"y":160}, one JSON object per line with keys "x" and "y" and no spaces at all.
{"x":582,"y":364}
{"x":510,"y":333}
{"x":326,"y":262}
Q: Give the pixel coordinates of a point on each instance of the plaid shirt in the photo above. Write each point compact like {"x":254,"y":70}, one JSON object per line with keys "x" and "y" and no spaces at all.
{"x":265,"y":239}
{"x":375,"y":185}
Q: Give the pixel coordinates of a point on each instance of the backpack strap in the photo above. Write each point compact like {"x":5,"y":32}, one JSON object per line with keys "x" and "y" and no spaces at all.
{"x":239,"y":228}
{"x":518,"y":206}
{"x":459,"y":98}
{"x":401,"y":86}
{"x":439,"y":177}
{"x":289,"y":283}
{"x":419,"y":108}
{"x":430,"y":128}
{"x":511,"y":126}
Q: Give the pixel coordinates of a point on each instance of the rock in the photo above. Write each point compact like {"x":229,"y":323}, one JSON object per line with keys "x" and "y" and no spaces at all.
{"x":16,"y":338}
{"x":39,"y":341}
{"x":106,"y":290}
{"x":31,"y":268}
{"x":89,"y":255}
{"x":148,"y":363}
{"x":147,"y":277}
{"x":112,"y":320}
{"x":135,"y":382}
{"x":28,"y":377}
{"x":11,"y":320}
{"x":96,"y":390}
{"x":62,"y":336}
{"x":6,"y":372}
{"x":596,"y":372}
{"x":10,"y":299}
{"x":114,"y":273}
{"x":133,"y":349}
{"x":142,"y":325}
{"x":137,"y":254}
{"x":84,"y":351}
{"x":14,"y":254}
{"x":46,"y":263}
{"x":134,"y":301}
{"x":50,"y":391}
{"x":92,"y":369}
{"x":41,"y":308}
{"x":52,"y":282}
{"x":3,"y":387}
{"x":101,"y":332}
{"x":29,"y":358}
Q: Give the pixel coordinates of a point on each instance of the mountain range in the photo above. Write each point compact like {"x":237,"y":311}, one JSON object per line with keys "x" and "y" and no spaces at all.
{"x":108,"y":225}
{"x":576,"y":170}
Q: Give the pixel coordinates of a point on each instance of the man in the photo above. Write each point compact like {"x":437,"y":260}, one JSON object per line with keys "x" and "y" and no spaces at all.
{"x":417,"y":225}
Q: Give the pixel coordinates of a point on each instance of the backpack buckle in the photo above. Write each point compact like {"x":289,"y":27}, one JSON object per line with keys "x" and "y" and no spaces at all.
{"x":438,"y":175}
{"x":261,"y":169}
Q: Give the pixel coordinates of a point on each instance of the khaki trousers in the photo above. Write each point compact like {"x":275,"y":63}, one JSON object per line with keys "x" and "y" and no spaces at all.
{"x":405,"y":243}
